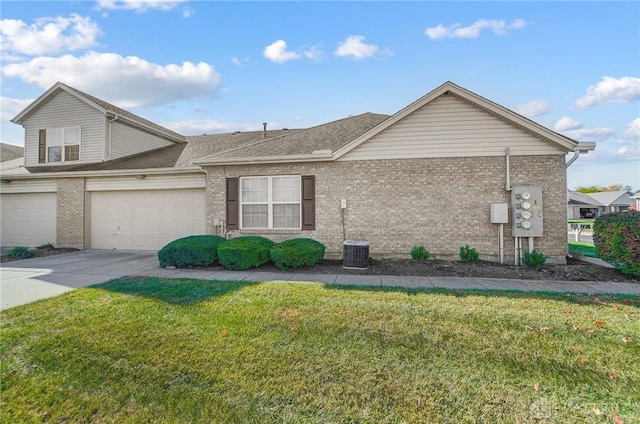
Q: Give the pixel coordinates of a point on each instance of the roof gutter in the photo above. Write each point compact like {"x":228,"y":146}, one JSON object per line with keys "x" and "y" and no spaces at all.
{"x":583,"y":147}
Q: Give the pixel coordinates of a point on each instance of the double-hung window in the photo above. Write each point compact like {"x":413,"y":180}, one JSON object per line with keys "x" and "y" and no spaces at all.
{"x":271,"y":202}
{"x":59,"y":145}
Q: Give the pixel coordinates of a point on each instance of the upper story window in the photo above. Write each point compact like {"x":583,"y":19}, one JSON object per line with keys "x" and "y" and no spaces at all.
{"x":59,"y":145}
{"x":271,"y":202}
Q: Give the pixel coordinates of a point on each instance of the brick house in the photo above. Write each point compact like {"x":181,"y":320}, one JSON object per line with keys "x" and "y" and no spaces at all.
{"x":96,"y":176}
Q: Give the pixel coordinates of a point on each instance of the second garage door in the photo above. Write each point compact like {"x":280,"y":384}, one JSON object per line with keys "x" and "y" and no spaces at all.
{"x":145,"y":219}
{"x":27,"y":219}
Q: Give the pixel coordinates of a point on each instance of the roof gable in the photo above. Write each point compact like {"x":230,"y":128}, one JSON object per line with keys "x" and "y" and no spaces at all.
{"x":103,"y":107}
{"x":562,"y":142}
{"x":608,"y":198}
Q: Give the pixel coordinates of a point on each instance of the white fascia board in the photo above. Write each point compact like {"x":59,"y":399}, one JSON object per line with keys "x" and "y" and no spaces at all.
{"x":317,"y":157}
{"x":108,"y":173}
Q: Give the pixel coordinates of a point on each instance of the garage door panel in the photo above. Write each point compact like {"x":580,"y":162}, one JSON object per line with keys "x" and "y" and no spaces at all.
{"x":145,"y":220}
{"x":27,"y":219}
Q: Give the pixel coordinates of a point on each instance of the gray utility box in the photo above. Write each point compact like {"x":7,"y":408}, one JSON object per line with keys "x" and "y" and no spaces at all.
{"x":526,"y":211}
{"x":355,"y":254}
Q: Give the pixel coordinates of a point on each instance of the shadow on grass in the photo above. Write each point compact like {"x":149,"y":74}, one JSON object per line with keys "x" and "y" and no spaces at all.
{"x":187,"y":291}
{"x":575,"y":298}
{"x":175,"y":291}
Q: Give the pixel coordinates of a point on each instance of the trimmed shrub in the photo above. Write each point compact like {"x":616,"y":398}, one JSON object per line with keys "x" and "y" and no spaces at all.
{"x":419,"y":253}
{"x":244,"y":252}
{"x":20,"y":252}
{"x":617,"y":240}
{"x":191,"y":251}
{"x":297,"y":252}
{"x":46,"y":246}
{"x":468,"y":254}
{"x":534,"y":260}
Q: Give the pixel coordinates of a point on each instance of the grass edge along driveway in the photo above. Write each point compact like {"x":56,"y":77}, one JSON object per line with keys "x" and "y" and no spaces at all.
{"x":160,"y":350}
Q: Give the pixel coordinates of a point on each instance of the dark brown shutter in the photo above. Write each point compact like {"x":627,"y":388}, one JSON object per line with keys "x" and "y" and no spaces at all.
{"x":232,"y":204}
{"x":42,"y":146}
{"x":308,"y":202}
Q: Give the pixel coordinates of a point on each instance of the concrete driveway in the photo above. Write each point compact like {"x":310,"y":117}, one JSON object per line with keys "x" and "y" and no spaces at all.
{"x":25,"y":281}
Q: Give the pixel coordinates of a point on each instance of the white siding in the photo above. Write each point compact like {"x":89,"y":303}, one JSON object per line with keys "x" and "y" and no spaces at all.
{"x":126,"y":140}
{"x":151,"y":182}
{"x":64,"y":110}
{"x":27,"y":219}
{"x":450,"y":127}
{"x":30,"y":186}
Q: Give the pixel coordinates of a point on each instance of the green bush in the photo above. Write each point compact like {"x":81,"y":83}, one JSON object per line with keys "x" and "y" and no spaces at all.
{"x":244,"y":252}
{"x":20,"y":252}
{"x":534,"y":260}
{"x":191,"y":251}
{"x":419,"y":253}
{"x":46,"y":246}
{"x":297,"y":252}
{"x":468,"y":254}
{"x":617,"y":240}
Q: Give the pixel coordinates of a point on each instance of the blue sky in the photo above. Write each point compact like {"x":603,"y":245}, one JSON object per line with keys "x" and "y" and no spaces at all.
{"x":205,"y":67}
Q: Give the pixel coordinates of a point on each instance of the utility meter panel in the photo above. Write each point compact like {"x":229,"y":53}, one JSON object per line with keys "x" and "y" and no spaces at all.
{"x":526,"y":207}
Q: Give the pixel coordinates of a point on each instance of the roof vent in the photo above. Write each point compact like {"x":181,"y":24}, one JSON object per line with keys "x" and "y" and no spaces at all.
{"x":264,"y":131}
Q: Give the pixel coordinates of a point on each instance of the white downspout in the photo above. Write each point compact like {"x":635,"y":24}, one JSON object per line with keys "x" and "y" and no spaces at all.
{"x":501,"y":242}
{"x":507,"y":152}
{"x":530,"y":244}
{"x":573,"y":159}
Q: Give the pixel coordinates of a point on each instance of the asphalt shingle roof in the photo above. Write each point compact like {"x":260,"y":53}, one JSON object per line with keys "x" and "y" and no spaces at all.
{"x":10,"y":152}
{"x":330,"y":136}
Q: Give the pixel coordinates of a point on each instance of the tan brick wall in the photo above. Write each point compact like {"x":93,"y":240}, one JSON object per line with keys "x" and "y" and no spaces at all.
{"x":442,"y":203}
{"x":71,"y":213}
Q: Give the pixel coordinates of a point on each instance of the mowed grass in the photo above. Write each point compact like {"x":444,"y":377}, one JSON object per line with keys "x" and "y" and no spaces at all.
{"x":173,"y":351}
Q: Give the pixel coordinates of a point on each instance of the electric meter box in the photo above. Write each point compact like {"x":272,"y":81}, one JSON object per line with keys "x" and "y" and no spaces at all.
{"x":526,"y":211}
{"x":499,"y":213}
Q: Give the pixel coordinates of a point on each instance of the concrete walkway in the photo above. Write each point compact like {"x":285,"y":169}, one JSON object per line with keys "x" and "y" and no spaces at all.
{"x":29,"y":280}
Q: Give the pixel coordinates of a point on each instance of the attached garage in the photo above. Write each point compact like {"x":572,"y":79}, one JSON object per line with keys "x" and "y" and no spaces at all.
{"x":28,"y":213}
{"x":144,"y":219}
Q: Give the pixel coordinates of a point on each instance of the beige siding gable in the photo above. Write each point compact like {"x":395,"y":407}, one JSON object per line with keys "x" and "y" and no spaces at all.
{"x":127,"y":140}
{"x":64,"y":110}
{"x":451,"y":127}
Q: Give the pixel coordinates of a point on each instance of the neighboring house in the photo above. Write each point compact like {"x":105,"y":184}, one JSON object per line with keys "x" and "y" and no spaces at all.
{"x":592,"y":205}
{"x":636,"y":202}
{"x":96,"y":176}
{"x":10,"y":152}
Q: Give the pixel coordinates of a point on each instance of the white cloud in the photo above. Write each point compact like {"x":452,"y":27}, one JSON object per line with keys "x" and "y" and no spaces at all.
{"x":11,"y":107}
{"x":127,"y":81}
{"x":499,"y":27}
{"x":139,"y":6}
{"x":187,"y":12}
{"x":567,"y":124}
{"x":534,"y":108}
{"x":236,"y":61}
{"x":633,"y":130}
{"x":314,"y":53}
{"x":590,"y":134}
{"x":48,"y":35}
{"x":277,"y":52}
{"x":616,"y":90}
{"x":355,"y":47}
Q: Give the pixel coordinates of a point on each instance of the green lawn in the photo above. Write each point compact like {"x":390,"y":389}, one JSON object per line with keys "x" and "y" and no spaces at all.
{"x":582,"y":248}
{"x":169,"y":351}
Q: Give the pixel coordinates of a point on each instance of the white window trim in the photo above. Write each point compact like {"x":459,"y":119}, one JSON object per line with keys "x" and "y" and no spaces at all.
{"x":64,"y":145}
{"x":269,"y":203}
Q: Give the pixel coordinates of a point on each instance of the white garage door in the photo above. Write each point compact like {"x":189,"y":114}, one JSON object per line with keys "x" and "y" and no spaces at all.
{"x":146,"y":219}
{"x":27,"y":219}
